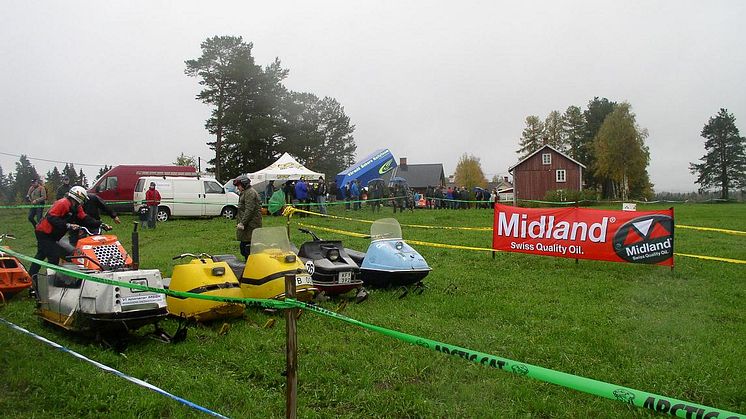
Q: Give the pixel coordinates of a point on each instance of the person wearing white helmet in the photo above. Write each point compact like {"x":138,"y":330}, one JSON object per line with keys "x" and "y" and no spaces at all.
{"x":65,"y":214}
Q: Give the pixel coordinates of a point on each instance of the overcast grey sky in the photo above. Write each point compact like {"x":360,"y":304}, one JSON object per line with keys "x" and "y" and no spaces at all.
{"x":103,"y":82}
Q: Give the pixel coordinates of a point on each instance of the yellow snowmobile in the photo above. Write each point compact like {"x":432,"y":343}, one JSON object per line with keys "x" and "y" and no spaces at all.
{"x":203,"y":275}
{"x":271,"y":258}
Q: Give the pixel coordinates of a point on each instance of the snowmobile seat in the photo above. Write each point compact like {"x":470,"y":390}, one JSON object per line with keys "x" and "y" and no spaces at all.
{"x":355,"y":255}
{"x":236,"y":265}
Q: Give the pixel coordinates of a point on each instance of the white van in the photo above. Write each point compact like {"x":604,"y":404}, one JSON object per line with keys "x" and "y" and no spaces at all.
{"x":187,"y":197}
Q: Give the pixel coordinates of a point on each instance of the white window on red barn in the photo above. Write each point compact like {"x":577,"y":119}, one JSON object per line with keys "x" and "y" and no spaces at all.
{"x":546,"y":158}
{"x":561,"y":175}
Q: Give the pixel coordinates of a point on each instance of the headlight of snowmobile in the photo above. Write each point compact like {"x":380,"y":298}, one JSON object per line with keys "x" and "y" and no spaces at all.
{"x":333,"y":255}
{"x":399,"y":245}
{"x":218,"y":271}
{"x":289,"y":258}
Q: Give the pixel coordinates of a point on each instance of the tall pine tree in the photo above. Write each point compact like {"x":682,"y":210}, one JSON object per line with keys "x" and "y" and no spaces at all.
{"x":724,"y":164}
{"x":25,"y":173}
{"x":554,"y":133}
{"x":226,"y":69}
{"x":574,"y":132}
{"x":532,"y":137}
{"x":594,"y":115}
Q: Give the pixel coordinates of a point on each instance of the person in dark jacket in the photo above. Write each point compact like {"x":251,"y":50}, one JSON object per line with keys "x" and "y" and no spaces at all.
{"x":94,"y":206}
{"x":289,"y":189}
{"x":249,"y":213}
{"x":65,"y":214}
{"x":64,"y":188}
{"x":269,"y":191}
{"x":321,"y":191}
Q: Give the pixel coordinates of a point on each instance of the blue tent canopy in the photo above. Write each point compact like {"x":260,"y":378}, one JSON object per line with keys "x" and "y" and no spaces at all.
{"x":375,"y":165}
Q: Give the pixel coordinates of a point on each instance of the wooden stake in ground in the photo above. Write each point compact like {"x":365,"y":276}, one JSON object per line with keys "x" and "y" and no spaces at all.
{"x":291,"y":352}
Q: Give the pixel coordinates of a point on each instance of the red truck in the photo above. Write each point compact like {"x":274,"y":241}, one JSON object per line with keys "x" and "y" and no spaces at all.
{"x":117,"y":186}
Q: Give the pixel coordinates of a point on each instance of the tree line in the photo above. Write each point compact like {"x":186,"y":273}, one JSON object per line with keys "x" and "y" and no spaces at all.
{"x":14,"y":185}
{"x":255,"y":118}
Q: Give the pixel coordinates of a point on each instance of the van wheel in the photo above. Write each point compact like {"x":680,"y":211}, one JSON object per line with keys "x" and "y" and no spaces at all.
{"x":162,"y":214}
{"x":229,"y":213}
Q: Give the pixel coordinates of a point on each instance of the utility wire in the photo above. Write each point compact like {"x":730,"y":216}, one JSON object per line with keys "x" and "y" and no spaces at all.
{"x":76,"y":164}
{"x":53,"y":161}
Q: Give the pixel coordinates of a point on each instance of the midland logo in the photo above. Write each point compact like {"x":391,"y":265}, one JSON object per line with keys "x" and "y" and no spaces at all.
{"x":386,"y":167}
{"x":647,"y":239}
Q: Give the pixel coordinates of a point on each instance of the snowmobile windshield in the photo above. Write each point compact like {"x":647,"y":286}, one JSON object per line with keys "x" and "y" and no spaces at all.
{"x":270,"y":238}
{"x":385,"y":229}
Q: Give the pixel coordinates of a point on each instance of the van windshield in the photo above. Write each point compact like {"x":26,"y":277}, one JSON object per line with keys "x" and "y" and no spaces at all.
{"x":213,"y":187}
{"x":107,"y":183}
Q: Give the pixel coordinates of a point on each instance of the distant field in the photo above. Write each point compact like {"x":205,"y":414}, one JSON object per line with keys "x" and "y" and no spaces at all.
{"x":679,"y":334}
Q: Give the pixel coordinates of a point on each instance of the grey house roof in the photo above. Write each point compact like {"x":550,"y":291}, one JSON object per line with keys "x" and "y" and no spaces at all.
{"x":421,"y":175}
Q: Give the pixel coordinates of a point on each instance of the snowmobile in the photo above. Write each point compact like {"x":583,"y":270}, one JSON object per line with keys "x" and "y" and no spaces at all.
{"x":13,"y":275}
{"x":98,"y":252}
{"x":332,"y":270}
{"x":270,"y":259}
{"x":203,"y":275}
{"x":389,"y":261}
{"x":85,"y":306}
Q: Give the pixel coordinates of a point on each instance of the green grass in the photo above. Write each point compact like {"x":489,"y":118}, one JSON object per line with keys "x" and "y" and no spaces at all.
{"x":679,"y":334}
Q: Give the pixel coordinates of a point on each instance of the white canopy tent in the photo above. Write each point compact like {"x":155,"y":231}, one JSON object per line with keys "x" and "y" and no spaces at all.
{"x":283,"y":169}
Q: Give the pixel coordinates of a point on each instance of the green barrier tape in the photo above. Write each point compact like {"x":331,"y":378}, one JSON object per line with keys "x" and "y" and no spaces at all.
{"x":23,"y":206}
{"x":256,"y":302}
{"x":654,"y":402}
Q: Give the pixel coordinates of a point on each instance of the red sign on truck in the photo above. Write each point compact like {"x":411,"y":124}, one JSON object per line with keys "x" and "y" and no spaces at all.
{"x":582,"y":233}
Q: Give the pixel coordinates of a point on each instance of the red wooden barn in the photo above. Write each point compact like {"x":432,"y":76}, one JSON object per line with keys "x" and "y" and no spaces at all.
{"x":546,"y":169}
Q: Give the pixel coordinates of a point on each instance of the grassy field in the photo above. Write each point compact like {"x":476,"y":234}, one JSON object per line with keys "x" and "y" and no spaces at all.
{"x":679,"y":334}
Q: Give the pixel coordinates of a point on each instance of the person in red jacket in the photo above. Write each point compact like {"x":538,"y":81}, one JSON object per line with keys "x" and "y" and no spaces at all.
{"x":65,"y":214}
{"x":152,"y":200}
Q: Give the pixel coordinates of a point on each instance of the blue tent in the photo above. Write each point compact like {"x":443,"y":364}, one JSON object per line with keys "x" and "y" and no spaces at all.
{"x":375,"y":165}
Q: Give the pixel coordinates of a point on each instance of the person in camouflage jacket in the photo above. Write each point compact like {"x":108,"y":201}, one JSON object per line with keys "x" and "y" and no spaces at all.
{"x":249,"y":213}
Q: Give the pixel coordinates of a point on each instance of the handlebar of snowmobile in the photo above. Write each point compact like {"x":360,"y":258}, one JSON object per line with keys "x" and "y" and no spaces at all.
{"x":103,"y":226}
{"x":307,"y":231}
{"x":200,"y":256}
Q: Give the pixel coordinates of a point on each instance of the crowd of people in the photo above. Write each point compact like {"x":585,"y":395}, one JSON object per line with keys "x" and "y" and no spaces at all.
{"x":314,"y":196}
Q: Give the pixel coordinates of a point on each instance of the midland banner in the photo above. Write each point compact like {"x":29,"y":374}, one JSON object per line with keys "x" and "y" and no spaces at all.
{"x":582,"y":233}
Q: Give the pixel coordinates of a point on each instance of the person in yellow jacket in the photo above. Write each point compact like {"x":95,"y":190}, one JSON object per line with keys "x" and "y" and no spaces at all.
{"x":249,"y":213}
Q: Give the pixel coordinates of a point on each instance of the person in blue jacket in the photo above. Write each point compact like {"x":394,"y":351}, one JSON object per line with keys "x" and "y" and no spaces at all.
{"x":355,"y":194}
{"x":301,"y":194}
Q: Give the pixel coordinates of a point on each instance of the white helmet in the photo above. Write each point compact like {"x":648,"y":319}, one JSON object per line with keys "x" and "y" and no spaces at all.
{"x":78,"y":193}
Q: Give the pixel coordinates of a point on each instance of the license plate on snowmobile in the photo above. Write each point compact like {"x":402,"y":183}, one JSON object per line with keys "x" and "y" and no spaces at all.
{"x":345,"y":277}
{"x":303,"y":280}
{"x":142,"y":299}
